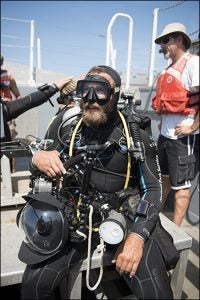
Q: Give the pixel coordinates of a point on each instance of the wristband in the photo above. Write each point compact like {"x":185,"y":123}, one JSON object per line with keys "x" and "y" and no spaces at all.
{"x":52,"y":87}
{"x":142,"y":208}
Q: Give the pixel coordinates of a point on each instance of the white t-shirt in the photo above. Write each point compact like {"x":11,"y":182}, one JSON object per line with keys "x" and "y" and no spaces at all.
{"x":190,"y":78}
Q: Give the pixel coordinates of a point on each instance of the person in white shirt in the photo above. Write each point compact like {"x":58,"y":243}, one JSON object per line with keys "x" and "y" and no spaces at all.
{"x":177,"y":100}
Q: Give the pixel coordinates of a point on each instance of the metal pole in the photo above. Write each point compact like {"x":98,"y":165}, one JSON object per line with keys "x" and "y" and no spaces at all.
{"x":153,"y":47}
{"x":31,"y":70}
{"x":113,"y":53}
{"x":109,"y":38}
{"x":109,"y":51}
{"x":38,"y":53}
{"x":129,"y":53}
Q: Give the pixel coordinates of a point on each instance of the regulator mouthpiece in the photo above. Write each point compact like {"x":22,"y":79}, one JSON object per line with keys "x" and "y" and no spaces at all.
{"x":113,"y":229}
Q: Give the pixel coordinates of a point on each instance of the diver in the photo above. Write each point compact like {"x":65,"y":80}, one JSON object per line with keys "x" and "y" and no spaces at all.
{"x":101,"y":184}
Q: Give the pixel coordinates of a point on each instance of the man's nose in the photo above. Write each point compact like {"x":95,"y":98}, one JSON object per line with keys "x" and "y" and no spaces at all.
{"x":91,"y":95}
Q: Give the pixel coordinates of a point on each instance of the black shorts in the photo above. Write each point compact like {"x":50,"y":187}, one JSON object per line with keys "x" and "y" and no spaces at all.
{"x":177,"y":160}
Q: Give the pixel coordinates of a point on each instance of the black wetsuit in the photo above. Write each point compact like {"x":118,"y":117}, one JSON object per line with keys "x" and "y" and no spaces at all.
{"x":11,"y":110}
{"x":108,"y":176}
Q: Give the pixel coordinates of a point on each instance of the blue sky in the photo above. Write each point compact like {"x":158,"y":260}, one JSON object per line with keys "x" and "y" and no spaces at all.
{"x":73,"y":33}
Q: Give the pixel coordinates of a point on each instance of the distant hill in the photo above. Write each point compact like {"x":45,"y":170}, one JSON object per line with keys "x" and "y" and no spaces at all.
{"x":21,"y":73}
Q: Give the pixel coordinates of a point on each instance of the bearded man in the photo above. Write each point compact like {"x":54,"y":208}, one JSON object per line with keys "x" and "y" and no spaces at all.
{"x":105,"y":180}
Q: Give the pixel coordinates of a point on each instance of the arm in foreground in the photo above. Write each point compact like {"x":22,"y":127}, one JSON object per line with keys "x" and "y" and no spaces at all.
{"x":130,"y":251}
{"x":15,"y":108}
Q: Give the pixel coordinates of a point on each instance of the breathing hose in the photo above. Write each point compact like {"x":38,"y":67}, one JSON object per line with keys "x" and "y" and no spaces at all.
{"x":101,"y":249}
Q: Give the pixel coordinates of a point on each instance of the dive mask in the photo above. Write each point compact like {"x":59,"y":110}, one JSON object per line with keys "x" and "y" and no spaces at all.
{"x":95,"y":87}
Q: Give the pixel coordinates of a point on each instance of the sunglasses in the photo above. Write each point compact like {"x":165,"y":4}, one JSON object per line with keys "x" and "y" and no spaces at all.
{"x":166,"y":39}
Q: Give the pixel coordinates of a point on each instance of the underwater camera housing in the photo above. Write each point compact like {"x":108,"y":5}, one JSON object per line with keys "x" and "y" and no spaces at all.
{"x":52,"y":208}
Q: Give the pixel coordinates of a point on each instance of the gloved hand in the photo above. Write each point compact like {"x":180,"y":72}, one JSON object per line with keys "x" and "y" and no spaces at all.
{"x":68,"y":86}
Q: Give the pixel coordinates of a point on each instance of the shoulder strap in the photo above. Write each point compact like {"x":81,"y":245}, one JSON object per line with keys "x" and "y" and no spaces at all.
{"x":128,"y":140}
{"x":71,"y":146}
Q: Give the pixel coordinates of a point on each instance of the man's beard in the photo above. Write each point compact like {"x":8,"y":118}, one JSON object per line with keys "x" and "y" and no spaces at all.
{"x":96,"y":115}
{"x":166,"y":53}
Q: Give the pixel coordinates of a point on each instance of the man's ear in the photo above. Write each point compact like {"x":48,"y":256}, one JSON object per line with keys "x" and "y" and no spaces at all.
{"x":180,"y":40}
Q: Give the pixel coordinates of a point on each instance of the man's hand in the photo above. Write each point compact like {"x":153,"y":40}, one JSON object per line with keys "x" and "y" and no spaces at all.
{"x":63,"y":82}
{"x":184,"y":130}
{"x":187,"y":129}
{"x":129,"y":254}
{"x":48,"y":162}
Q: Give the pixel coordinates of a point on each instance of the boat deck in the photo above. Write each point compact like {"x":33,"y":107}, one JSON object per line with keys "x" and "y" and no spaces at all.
{"x":192,"y":278}
{"x":12,"y":268}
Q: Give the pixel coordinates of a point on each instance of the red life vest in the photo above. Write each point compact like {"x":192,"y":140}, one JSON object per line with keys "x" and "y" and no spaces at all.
{"x":5,"y":86}
{"x":171,"y":97}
